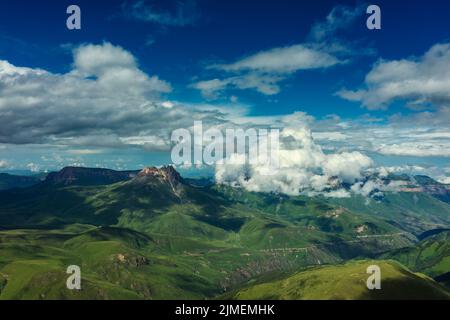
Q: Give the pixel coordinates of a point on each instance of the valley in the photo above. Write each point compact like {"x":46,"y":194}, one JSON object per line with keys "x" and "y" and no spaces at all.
{"x":155,"y":235}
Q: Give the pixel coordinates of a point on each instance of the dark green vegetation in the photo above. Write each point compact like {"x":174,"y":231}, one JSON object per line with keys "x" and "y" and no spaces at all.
{"x":154,"y":235}
{"x":430,"y":256}
{"x":410,"y":211}
{"x":9,"y":181}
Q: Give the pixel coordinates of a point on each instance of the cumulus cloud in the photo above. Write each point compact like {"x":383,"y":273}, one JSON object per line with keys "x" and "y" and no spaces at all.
{"x":419,"y":81}
{"x":376,"y":187}
{"x":105,"y":100}
{"x":303,"y":167}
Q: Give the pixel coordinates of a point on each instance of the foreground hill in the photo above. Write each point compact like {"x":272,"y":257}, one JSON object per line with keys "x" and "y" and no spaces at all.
{"x":344,"y":282}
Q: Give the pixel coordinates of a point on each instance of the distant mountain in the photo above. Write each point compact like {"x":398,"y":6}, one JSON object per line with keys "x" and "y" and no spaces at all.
{"x":413,"y":211}
{"x":425,"y":180}
{"x":343,"y":282}
{"x":9,"y":181}
{"x":88,"y":176}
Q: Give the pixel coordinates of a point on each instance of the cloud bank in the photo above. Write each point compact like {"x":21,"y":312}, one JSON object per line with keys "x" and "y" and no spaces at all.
{"x":106,"y":100}
{"x":304,"y":168}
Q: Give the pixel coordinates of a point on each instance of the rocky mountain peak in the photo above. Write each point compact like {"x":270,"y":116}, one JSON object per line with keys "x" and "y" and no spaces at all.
{"x":166,"y":173}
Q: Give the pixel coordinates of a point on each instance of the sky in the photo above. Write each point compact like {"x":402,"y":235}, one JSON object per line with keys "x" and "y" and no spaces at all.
{"x":110,"y":94}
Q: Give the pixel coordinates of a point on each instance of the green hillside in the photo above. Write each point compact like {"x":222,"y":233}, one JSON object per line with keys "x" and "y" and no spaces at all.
{"x":430,"y":256}
{"x":157,"y":236}
{"x":411,"y":211}
{"x":344,"y":282}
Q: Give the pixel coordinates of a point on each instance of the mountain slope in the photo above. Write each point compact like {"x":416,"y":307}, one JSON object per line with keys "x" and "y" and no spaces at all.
{"x":9,"y":181}
{"x":344,"y":282}
{"x":156,"y":235}
{"x":413,"y":212}
{"x":88,"y":176}
{"x":430,"y":256}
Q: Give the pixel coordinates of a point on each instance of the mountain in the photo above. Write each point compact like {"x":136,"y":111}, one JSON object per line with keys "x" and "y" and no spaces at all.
{"x":9,"y":181}
{"x":156,"y":235}
{"x":160,"y":201}
{"x":88,"y":176}
{"x":410,"y":210}
{"x":343,"y":282}
{"x":430,"y":256}
{"x":434,"y":188}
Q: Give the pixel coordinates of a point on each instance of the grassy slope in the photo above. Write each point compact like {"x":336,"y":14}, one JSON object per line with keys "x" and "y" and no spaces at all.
{"x":162,"y":245}
{"x":430,"y":256}
{"x":347,"y":281}
{"x":115,"y":263}
{"x":412,"y":212}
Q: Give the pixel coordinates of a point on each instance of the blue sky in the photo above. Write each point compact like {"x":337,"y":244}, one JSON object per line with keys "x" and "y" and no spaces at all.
{"x":223,"y":31}
{"x":238,"y":59}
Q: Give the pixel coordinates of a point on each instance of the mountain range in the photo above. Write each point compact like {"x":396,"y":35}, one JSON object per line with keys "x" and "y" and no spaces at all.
{"x":152,"y":234}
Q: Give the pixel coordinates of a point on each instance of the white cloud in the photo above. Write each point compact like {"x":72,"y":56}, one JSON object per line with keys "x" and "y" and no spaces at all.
{"x":99,"y":59}
{"x":263,"y":71}
{"x":84,"y":151}
{"x":33,"y":167}
{"x":419,"y":81}
{"x":282,"y":60}
{"x":181,"y":13}
{"x":444,"y":179}
{"x":3,"y":164}
{"x":340,"y":17}
{"x":330,"y":135}
{"x":417,"y":149}
{"x":104,"y":101}
{"x":265,"y":84}
{"x":376,"y":187}
{"x":303,"y":167}
{"x":115,"y":69}
{"x":348,"y":166}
